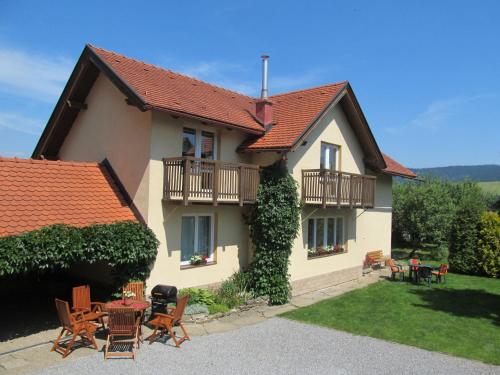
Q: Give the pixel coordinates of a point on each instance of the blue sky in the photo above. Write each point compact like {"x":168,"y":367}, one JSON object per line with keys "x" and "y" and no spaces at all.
{"x":427,"y":73}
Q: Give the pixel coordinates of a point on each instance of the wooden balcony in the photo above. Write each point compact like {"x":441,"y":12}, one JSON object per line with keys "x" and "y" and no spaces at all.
{"x":329,"y":188}
{"x":193,"y":180}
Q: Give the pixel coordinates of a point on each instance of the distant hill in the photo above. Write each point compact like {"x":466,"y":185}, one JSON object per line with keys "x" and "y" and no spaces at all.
{"x":490,"y":172}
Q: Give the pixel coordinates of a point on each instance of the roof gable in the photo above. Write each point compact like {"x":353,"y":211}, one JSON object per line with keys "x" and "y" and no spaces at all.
{"x":37,"y":193}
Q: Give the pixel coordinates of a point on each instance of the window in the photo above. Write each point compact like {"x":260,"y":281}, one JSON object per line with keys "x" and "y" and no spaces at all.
{"x":325,"y":232}
{"x":198,"y":144}
{"x":329,"y":156}
{"x":188,"y":142}
{"x":197,"y":237}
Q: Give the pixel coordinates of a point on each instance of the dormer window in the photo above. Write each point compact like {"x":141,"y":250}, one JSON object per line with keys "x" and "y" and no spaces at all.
{"x":330,"y":156}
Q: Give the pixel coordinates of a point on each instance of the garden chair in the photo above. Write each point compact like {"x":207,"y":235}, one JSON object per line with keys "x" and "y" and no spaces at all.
{"x":441,"y":273}
{"x":93,"y":311}
{"x":72,"y":324}
{"x":123,"y":333}
{"x":396,"y":270}
{"x":424,"y":273}
{"x":166,"y":322}
{"x":137,"y":288}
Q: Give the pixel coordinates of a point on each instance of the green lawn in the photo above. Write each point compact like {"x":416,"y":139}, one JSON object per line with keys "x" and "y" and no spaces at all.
{"x":492,"y":187}
{"x":460,"y":317}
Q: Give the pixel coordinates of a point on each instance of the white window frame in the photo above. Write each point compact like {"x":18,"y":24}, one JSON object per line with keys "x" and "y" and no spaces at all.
{"x":325,"y":231}
{"x":336,"y":150}
{"x":212,"y":236}
{"x":197,"y":135}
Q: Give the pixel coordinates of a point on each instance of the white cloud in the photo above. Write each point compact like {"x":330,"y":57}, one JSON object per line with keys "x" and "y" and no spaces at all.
{"x":20,"y":123}
{"x":436,"y":115}
{"x":31,"y":75}
{"x":242,"y":79}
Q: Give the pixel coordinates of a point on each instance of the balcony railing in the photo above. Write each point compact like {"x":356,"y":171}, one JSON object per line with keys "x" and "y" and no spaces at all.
{"x":193,"y":180}
{"x":332,"y":188}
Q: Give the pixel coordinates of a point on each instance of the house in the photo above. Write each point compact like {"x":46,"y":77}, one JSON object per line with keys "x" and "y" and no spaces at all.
{"x":187,"y":156}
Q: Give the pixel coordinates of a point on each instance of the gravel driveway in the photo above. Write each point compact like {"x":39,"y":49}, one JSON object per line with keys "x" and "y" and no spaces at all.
{"x":277,"y":346}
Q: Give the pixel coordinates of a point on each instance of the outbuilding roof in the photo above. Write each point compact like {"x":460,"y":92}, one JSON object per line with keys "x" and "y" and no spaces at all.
{"x":37,"y":193}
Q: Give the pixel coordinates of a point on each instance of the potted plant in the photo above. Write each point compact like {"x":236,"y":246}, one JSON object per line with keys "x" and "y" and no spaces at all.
{"x":198,"y":259}
{"x":338,"y":249}
{"x":128,"y":297}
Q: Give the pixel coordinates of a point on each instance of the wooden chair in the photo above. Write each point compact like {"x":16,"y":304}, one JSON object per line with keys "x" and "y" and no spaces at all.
{"x":93,"y":311}
{"x":72,"y":324}
{"x":137,"y":288}
{"x":123,"y":334}
{"x":441,"y":273}
{"x":166,"y":322}
{"x":396,"y":270}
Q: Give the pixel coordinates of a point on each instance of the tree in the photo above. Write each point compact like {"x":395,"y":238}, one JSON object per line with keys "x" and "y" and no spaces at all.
{"x":489,"y":244}
{"x":470,"y":205}
{"x":422,"y":212}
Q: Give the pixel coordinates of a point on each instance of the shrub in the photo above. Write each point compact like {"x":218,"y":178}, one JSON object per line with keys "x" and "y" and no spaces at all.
{"x":198,"y":296}
{"x":440,"y":252}
{"x":274,"y":224}
{"x":233,"y":292}
{"x":465,"y":228}
{"x":127,"y":247}
{"x":196,"y":308}
{"x":489,"y":244}
{"x":217,"y":308}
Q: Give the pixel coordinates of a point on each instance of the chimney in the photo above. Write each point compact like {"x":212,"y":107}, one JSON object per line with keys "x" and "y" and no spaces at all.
{"x":263,"y":107}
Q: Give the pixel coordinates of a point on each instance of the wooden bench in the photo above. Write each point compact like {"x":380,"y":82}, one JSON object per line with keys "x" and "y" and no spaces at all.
{"x":375,"y":257}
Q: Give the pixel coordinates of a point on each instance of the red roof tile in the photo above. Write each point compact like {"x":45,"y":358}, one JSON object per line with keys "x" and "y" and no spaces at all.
{"x":394,"y":168}
{"x":293,"y":112}
{"x":37,"y":193}
{"x":164,"y":89}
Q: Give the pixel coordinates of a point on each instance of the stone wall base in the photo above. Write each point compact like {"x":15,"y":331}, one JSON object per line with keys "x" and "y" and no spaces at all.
{"x":325,"y":280}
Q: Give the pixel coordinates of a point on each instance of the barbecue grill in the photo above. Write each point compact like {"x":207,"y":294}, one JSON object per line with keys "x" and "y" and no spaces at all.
{"x":161,"y":296}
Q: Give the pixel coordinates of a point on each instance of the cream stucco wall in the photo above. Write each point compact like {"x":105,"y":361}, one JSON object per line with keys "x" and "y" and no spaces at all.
{"x":164,"y":218}
{"x":366,"y":230}
{"x":111,"y":129}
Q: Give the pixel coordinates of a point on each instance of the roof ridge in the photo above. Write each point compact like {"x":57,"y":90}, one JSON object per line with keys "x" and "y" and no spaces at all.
{"x":310,"y":88}
{"x":49,"y":162}
{"x":233,"y":92}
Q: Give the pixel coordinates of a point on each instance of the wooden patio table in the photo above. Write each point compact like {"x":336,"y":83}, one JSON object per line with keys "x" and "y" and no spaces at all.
{"x":138,"y":306}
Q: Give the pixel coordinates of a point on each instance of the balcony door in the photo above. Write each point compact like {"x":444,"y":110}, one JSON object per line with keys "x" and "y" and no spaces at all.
{"x":330,"y":156}
{"x":201,"y":144}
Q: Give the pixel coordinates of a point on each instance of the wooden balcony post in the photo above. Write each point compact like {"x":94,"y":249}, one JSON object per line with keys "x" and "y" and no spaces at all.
{"x":350,"y":189}
{"x":185,"y":187}
{"x":323,"y":198}
{"x":240,"y":185}
{"x":339,"y":188}
{"x":166,"y":183}
{"x":363,"y":191}
{"x":303,"y":188}
{"x":215,"y":184}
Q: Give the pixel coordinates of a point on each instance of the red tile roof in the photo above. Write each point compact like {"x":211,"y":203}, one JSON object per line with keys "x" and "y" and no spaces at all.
{"x":37,"y":193}
{"x":164,"y":89}
{"x":394,"y":168}
{"x":293,"y":112}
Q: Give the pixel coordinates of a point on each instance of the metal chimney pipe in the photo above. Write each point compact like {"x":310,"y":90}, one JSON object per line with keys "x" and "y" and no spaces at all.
{"x":264,"y":93}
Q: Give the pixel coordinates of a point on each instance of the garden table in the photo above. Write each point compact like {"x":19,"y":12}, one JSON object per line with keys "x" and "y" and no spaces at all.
{"x":413,"y":270}
{"x":139,"y":307}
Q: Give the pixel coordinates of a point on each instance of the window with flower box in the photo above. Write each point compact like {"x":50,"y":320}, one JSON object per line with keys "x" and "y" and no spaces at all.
{"x":325,"y":235}
{"x":197,"y":239}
